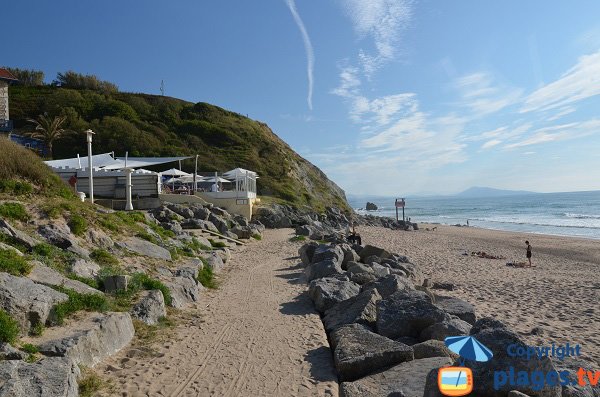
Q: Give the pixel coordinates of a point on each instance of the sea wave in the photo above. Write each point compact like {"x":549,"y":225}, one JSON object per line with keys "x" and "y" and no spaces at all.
{"x":533,"y":223}
{"x":581,"y":216}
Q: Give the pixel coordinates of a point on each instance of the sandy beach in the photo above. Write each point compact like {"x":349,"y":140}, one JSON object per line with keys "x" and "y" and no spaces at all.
{"x":259,"y":335}
{"x":557,"y":299}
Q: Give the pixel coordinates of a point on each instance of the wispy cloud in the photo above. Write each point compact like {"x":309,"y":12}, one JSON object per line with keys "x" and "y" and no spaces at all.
{"x":483,"y":95}
{"x":580,"y":82}
{"x":310,"y":54}
{"x":560,"y":132}
{"x":490,"y":144}
{"x":382,"y":21}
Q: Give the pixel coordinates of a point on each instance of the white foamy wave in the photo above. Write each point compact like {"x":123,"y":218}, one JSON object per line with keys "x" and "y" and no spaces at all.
{"x":581,"y":216}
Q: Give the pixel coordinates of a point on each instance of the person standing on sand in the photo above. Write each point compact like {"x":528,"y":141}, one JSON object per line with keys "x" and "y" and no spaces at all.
{"x":528,"y":252}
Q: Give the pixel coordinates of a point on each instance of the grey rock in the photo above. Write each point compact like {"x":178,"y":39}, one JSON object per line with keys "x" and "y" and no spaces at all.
{"x":199,"y":224}
{"x":184,"y":291}
{"x":328,"y":252}
{"x":407,"y":314}
{"x":411,"y":270}
{"x":50,"y":377}
{"x":100,"y":239}
{"x":356,"y":267}
{"x":457,"y":307}
{"x":349,"y":255}
{"x":325,"y":268}
{"x":220,"y":212}
{"x":203,"y":241}
{"x":304,"y":230}
{"x":188,"y":271}
{"x":58,"y":234}
{"x":359,"y":352}
{"x":173,"y":226}
{"x":145,"y":248}
{"x":85,"y":268}
{"x":433,"y":348}
{"x":44,"y":275}
{"x":389,"y":285}
{"x":220,"y":224}
{"x":242,"y":232}
{"x":164,"y":271}
{"x":452,"y":327}
{"x":93,"y":340}
{"x":27,"y":302}
{"x":7,"y":247}
{"x":369,"y":250}
{"x":406,"y":379}
{"x":362,"y":278}
{"x":7,"y":352}
{"x":19,"y":236}
{"x":371,"y":259}
{"x":241,"y":220}
{"x":113,"y":284}
{"x":307,"y":251}
{"x":326,"y":292}
{"x":380,"y":271}
{"x":515,"y":393}
{"x":360,"y":309}
{"x":224,"y":253}
{"x":486,"y":323}
{"x":201,"y":213}
{"x":150,"y":308}
{"x":215,"y":262}
{"x":181,"y":210}
{"x":444,"y":286}
{"x":572,"y":365}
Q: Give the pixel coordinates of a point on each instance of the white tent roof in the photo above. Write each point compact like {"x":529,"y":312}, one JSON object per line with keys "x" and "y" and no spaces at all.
{"x":106,"y":161}
{"x":212,"y":179}
{"x":239,"y":172}
{"x":175,"y":172}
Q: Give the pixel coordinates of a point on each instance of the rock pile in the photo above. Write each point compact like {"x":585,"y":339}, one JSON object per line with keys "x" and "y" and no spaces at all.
{"x":386,"y":329}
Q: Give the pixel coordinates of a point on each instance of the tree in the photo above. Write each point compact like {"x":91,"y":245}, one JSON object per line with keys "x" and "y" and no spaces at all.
{"x":48,"y":129}
{"x":27,"y":77}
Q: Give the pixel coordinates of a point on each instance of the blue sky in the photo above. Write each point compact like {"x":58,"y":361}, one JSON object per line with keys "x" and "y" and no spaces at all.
{"x":388,"y":97}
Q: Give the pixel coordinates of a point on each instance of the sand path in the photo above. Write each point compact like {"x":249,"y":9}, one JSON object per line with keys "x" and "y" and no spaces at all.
{"x":257,"y":335}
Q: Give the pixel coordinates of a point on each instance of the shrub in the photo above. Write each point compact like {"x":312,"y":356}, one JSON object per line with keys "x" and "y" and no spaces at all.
{"x":12,"y":263}
{"x":257,"y":236}
{"x":78,"y":225}
{"x":103,"y":257}
{"x":161,"y":231}
{"x":141,"y":281}
{"x":14,"y":211}
{"x":77,"y":302}
{"x":298,"y":238}
{"x":217,"y":244}
{"x":206,"y":276}
{"x":9,"y":328}
{"x":29,"y":348}
{"x":89,"y":384}
{"x":37,"y":329}
{"x":148,"y":237}
{"x":15,"y":188}
{"x":44,"y":249}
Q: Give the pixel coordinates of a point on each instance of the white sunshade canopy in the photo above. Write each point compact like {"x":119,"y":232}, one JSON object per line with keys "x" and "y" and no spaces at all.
{"x":212,"y":179}
{"x":107,"y":162}
{"x":175,"y":172}
{"x":237,"y":172}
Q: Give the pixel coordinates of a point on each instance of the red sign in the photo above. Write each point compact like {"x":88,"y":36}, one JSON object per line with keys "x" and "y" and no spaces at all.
{"x":400,"y":203}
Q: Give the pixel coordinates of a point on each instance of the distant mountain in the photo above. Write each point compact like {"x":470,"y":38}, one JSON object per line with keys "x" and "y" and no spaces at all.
{"x":478,"y":191}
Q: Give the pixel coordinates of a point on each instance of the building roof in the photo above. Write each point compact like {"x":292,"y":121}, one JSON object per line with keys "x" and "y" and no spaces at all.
{"x":6,"y":75}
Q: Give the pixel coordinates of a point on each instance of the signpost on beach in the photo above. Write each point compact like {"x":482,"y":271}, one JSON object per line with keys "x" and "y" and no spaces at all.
{"x":400,"y":203}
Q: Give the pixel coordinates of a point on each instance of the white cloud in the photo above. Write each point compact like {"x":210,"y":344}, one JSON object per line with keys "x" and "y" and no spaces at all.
{"x":310,"y":54}
{"x":559,"y":133}
{"x":490,"y":144}
{"x":381,"y":20}
{"x":483,"y":95}
{"x":562,"y":112}
{"x":580,"y":82}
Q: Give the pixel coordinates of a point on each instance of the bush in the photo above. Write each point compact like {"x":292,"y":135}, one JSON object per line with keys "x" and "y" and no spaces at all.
{"x":77,"y":302}
{"x":78,"y":225}
{"x":14,"y":211}
{"x":89,"y":384}
{"x":298,"y":238}
{"x":257,"y":236}
{"x":103,"y":257}
{"x":12,"y":263}
{"x":9,"y":328}
{"x":15,"y":188}
{"x":29,"y":348}
{"x":206,"y":276}
{"x":217,"y":244}
{"x":161,"y":231}
{"x":141,"y":281}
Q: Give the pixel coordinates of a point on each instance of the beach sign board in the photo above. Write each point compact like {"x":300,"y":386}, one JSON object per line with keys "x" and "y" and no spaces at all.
{"x":455,"y":381}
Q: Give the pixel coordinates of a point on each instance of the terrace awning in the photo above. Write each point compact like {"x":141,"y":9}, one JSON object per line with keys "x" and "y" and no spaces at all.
{"x":107,"y":162}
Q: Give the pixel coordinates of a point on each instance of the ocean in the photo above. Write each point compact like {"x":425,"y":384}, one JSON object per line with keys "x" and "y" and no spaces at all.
{"x":563,"y":214}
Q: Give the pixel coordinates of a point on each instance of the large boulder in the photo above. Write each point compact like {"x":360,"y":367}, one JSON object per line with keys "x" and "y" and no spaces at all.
{"x":184,"y":291}
{"x":359,"y":352}
{"x":199,"y":224}
{"x":200,"y":212}
{"x":58,"y":234}
{"x":357,"y":268}
{"x":433,"y":348}
{"x":85,"y":268}
{"x":326,"y":292}
{"x":491,"y":378}
{"x":219,"y":222}
{"x":181,"y":210}
{"x":328,"y":252}
{"x":150,"y":308}
{"x":411,"y":270}
{"x":307,"y":251}
{"x":99,"y":238}
{"x":28,"y":303}
{"x":457,"y":307}
{"x":215,"y":262}
{"x":440,"y":331}
{"x":407,"y":314}
{"x":145,"y":248}
{"x":21,"y":237}
{"x":42,"y":274}
{"x":93,"y":339}
{"x":360,"y":309}
{"x":50,"y":377}
{"x":370,"y":250}
{"x":389,"y":285}
{"x":403,"y":380}
{"x":7,"y":247}
{"x":349,"y":255}
{"x":322,"y":269}
{"x":7,"y":352}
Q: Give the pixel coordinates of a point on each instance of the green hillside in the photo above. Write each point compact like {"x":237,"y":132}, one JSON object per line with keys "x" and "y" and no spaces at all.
{"x":151,"y":125}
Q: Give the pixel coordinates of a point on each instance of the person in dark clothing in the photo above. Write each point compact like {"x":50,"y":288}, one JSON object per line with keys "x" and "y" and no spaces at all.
{"x":528,"y":252}
{"x":354,"y":237}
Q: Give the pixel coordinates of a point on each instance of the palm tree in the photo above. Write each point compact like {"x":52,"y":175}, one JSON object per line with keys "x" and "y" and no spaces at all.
{"x":48,"y":129}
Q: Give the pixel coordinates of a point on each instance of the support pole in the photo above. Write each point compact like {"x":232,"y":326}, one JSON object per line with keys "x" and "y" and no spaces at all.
{"x":396,"y":205}
{"x":128,"y":186}
{"x":195,"y":174}
{"x":90,"y":133}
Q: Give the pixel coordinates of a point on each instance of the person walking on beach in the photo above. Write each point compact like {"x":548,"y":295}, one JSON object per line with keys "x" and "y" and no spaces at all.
{"x":528,"y":252}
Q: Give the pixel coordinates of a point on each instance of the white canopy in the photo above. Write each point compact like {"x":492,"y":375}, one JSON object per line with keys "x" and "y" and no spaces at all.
{"x":219,"y":179}
{"x":107,"y":162}
{"x":99,"y":160}
{"x":237,"y":172}
{"x":184,"y":179}
{"x":175,"y":172}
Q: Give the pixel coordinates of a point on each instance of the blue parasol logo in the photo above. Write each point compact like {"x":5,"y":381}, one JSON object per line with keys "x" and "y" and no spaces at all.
{"x":469,"y":348}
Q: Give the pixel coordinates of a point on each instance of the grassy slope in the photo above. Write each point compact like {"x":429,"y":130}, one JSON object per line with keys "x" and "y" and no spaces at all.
{"x":149,"y":125}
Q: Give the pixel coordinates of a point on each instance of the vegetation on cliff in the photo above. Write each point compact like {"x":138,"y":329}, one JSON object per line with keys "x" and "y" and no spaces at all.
{"x":151,"y":125}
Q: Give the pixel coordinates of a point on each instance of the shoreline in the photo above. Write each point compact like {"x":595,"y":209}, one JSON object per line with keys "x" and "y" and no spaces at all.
{"x":556,"y":301}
